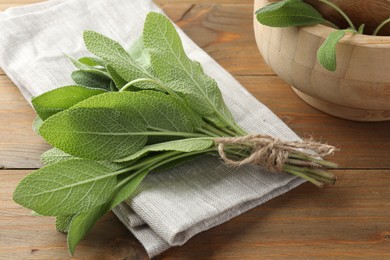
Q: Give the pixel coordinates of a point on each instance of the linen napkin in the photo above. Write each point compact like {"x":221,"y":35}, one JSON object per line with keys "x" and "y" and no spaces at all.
{"x":172,"y":206}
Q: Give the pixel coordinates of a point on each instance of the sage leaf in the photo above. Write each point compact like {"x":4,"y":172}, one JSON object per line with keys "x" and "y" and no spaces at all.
{"x":139,"y":53}
{"x":289,"y":13}
{"x":129,"y":118}
{"x":91,"y":79}
{"x":326,"y":54}
{"x":83,"y":222}
{"x":125,"y":191}
{"x":63,"y":223}
{"x":66,"y":187}
{"x":59,"y":99}
{"x":116,"y":56}
{"x":184,"y":145}
{"x":113,"y":87}
{"x":361,"y":29}
{"x":93,"y":61}
{"x":118,"y":80}
{"x":37,"y":124}
{"x":157,"y":110}
{"x":85,"y":67}
{"x":95,"y":133}
{"x":182,"y":75}
{"x":55,"y":155}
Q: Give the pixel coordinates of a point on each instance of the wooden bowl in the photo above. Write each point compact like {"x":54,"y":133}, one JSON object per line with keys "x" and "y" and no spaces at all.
{"x":360,"y":87}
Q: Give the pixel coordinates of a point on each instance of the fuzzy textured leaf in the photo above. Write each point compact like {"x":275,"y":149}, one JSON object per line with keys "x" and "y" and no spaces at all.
{"x":84,"y":222}
{"x":289,"y":13}
{"x":115,"y":55}
{"x":93,"y":61}
{"x":118,"y":80}
{"x":156,"y":109}
{"x":55,"y":155}
{"x":81,"y":224}
{"x":326,"y":54}
{"x":91,"y":79}
{"x":37,"y":124}
{"x":59,"y":99}
{"x":139,"y":53}
{"x":182,"y":75}
{"x":66,"y":188}
{"x":63,"y":223}
{"x":82,"y":65}
{"x":95,"y":133}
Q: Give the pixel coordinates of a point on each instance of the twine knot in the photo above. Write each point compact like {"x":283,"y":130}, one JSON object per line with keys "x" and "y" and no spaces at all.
{"x":270,"y":152}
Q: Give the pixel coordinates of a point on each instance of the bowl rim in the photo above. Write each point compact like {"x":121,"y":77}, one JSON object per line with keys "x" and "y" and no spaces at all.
{"x":323,"y":31}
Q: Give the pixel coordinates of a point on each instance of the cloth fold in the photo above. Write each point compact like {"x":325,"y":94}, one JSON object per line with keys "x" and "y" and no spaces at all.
{"x":169,"y":207}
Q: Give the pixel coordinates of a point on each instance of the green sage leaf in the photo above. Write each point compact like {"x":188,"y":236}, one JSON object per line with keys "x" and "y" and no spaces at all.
{"x":37,"y":124}
{"x":55,"y":155}
{"x":139,"y":53}
{"x":95,"y":133}
{"x":91,"y":79}
{"x":182,"y":75}
{"x":93,"y":61}
{"x":84,"y":222}
{"x":82,"y":65}
{"x":157,"y":110}
{"x":125,"y":191}
{"x":289,"y":13}
{"x":66,"y":187}
{"x":116,"y":56}
{"x":326,"y":54}
{"x":63,"y":223}
{"x":81,"y":224}
{"x":118,"y":80}
{"x":59,"y":99}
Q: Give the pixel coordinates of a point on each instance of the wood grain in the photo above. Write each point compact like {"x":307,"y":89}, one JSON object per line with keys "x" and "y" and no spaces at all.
{"x":362,"y":144}
{"x":348,"y":220}
{"x":20,"y":147}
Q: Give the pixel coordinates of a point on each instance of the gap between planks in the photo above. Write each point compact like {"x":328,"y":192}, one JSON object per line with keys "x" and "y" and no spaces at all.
{"x":349,"y":218}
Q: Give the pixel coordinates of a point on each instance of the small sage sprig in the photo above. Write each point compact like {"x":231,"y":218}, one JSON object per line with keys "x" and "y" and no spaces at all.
{"x":287,"y":13}
{"x":133,"y":112}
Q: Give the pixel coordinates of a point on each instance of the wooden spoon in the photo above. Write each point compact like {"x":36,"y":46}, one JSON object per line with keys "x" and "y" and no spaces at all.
{"x":370,"y":12}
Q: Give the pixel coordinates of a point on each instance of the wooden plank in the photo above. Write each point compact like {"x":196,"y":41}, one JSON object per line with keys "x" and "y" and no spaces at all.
{"x":225,"y":32}
{"x":25,"y":237}
{"x":362,"y":144}
{"x":347,"y":220}
{"x":4,"y":4}
{"x":20,"y":147}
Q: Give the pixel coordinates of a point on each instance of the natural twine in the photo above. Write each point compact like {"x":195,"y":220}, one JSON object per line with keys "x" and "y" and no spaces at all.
{"x":270,"y":152}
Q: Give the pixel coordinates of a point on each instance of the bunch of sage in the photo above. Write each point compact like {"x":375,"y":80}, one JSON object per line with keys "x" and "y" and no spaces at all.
{"x":133,"y":112}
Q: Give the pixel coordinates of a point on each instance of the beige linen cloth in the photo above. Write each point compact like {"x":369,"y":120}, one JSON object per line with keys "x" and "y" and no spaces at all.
{"x":170,"y":207}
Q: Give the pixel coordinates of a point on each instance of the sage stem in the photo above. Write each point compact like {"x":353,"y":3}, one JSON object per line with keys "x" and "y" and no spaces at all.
{"x":327,"y":2}
{"x":381,"y":26}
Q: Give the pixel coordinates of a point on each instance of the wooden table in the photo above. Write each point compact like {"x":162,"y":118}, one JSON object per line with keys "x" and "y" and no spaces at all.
{"x":351,"y":219}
